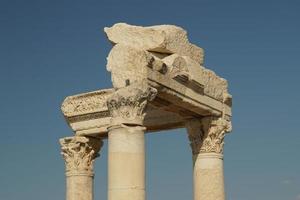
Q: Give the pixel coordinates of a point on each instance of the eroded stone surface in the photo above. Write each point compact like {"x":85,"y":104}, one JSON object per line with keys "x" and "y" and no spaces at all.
{"x":206,"y":135}
{"x":126,"y":163}
{"x":209,"y":177}
{"x":162,"y":38}
{"x":127,"y":105}
{"x":128,"y":65}
{"x":148,"y":62}
{"x":130,"y":59}
{"x":79,"y":154}
{"x":86,"y":103}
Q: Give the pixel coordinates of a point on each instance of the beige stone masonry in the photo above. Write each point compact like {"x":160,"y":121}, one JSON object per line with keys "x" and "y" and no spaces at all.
{"x":127,"y":105}
{"x":126,"y":163}
{"x":163,"y":39}
{"x":159,"y":83}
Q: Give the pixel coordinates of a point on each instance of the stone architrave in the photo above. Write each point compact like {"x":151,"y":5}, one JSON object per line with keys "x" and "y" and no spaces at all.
{"x":79,"y":154}
{"x":207,"y":141}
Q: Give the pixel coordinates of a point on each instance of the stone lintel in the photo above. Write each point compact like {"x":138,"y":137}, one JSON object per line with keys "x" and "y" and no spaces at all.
{"x":87,"y":113}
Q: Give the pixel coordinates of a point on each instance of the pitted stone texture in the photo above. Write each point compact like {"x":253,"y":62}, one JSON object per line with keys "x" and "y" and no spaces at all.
{"x":127,"y":105}
{"x":187,"y":71}
{"x":207,"y":135}
{"x":208,"y":177}
{"x":214,"y":132}
{"x":162,"y":38}
{"x":79,"y":188}
{"x":79,"y":153}
{"x":86,"y":103}
{"x":126,"y":163}
{"x":185,"y":87}
{"x":128,"y":65}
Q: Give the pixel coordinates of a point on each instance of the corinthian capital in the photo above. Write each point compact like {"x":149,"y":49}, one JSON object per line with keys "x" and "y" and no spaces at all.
{"x":207,"y":134}
{"x":79,"y":153}
{"x":127,"y":105}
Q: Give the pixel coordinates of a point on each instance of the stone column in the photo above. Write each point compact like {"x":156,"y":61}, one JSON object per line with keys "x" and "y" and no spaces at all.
{"x":79,"y":153}
{"x":207,"y":140}
{"x":126,"y":145}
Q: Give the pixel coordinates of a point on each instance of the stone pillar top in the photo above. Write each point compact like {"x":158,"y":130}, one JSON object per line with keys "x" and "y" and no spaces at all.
{"x":79,"y":153}
{"x":207,"y":134}
{"x":127,"y":105}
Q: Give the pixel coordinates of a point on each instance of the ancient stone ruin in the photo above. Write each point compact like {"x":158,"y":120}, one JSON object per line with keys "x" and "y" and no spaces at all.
{"x":159,"y":83}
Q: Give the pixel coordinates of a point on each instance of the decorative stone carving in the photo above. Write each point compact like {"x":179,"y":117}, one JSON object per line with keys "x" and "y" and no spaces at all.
{"x":190,"y":73}
{"x":86,"y":103}
{"x":177,"y":67}
{"x":207,"y":135}
{"x":79,"y":154}
{"x":214,"y":86}
{"x":127,"y":104}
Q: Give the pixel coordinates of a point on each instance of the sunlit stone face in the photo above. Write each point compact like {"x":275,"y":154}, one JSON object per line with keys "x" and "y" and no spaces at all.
{"x":159,"y":83}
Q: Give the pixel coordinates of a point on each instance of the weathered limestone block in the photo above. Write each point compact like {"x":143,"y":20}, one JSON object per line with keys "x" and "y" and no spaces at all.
{"x":186,"y":71}
{"x":128,"y":65}
{"x":177,"y":66}
{"x":86,"y":103}
{"x":163,"y":39}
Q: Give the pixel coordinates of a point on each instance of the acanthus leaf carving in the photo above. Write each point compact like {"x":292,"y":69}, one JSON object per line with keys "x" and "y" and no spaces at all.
{"x":127,"y":105}
{"x":207,"y":134}
{"x":79,"y":153}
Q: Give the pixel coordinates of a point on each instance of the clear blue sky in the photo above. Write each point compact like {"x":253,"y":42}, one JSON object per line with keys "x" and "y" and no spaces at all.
{"x":52,"y":49}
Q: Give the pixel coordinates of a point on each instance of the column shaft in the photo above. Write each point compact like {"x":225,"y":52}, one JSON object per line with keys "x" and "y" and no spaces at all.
{"x":79,"y":187}
{"x":208,"y":177}
{"x":126,"y":163}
